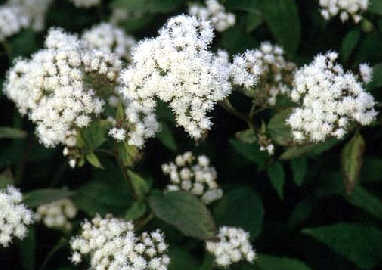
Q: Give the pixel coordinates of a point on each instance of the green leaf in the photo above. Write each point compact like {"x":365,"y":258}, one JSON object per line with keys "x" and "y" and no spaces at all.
{"x":184,"y":211}
{"x":251,"y":214}
{"x":43,"y":196}
{"x":246,"y":136}
{"x":267,"y":262}
{"x":137,"y":210}
{"x":162,"y":6}
{"x":360,"y":244}
{"x":377,"y":77}
{"x":17,"y":43}
{"x":375,"y":6}
{"x":6,"y":179}
{"x":250,"y":151}
{"x":367,"y":201}
{"x":181,"y":259}
{"x":141,"y":188}
{"x":311,"y":149}
{"x":12,"y":133}
{"x":254,"y":20}
{"x":299,"y":168}
{"x":28,"y":250}
{"x":277,"y":176}
{"x":279,"y":131}
{"x":93,"y":160}
{"x":284,"y":22}
{"x":245,"y":5}
{"x":349,"y":43}
{"x":95,"y":135}
{"x":371,"y":170}
{"x":166,"y":137}
{"x":300,"y":213}
{"x":128,"y":154}
{"x":352,"y":161}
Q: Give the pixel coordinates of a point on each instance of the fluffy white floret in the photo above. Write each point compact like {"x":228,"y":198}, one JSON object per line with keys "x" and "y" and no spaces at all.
{"x":12,"y":20}
{"x":111,"y":243}
{"x":215,"y":13}
{"x":329,"y":99}
{"x":194,"y":175}
{"x":57,"y":214}
{"x":343,"y":8}
{"x":14,"y":216}
{"x":232,"y":246}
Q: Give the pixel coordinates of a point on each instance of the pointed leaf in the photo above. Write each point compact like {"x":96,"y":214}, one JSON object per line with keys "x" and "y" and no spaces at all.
{"x":277,"y":176}
{"x":367,"y":201}
{"x":93,"y":160}
{"x":166,"y":137}
{"x":250,"y":151}
{"x":141,"y":188}
{"x":12,"y":133}
{"x":279,"y":131}
{"x":299,"y":167}
{"x":136,"y":211}
{"x":349,"y":43}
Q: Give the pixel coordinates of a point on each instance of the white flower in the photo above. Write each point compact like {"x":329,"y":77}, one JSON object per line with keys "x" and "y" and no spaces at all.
{"x":232,"y":246}
{"x":86,"y":3}
{"x":264,"y":68}
{"x":329,"y":99}
{"x":57,"y":87}
{"x":344,"y":8}
{"x":12,"y":20}
{"x":111,"y":243}
{"x":118,"y":133}
{"x":215,"y":13}
{"x":177,"y":68}
{"x":109,"y":38}
{"x":14,"y":216}
{"x":57,"y":214}
{"x":366,"y":73}
{"x":193,"y":175}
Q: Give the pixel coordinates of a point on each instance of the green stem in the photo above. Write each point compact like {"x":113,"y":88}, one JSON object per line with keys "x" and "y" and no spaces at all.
{"x":56,"y":248}
{"x":229,"y":108}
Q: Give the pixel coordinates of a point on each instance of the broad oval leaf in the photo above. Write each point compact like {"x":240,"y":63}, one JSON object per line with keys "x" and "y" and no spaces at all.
{"x":299,"y":168}
{"x":43,"y":196}
{"x":277,"y":176}
{"x":184,"y":211}
{"x":349,"y":43}
{"x":279,"y":131}
{"x":251,"y":152}
{"x":267,"y":262}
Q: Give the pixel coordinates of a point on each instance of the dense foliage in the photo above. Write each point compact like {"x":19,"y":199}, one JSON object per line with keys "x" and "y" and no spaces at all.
{"x":302,"y":195}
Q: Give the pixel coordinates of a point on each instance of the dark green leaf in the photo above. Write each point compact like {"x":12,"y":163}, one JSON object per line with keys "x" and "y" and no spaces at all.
{"x":377,"y":77}
{"x":166,"y":137}
{"x":245,"y":5}
{"x":283,"y":21}
{"x":311,"y":149}
{"x":375,"y":6}
{"x":279,"y":131}
{"x":367,"y":201}
{"x":141,"y":188}
{"x":251,"y":214}
{"x":246,"y":136}
{"x":250,"y":151}
{"x":360,"y":244}
{"x":181,"y":259}
{"x":267,"y":262}
{"x":371,"y":170}
{"x":277,"y":176}
{"x":28,"y":250}
{"x":6,"y":179}
{"x":254,"y":20}
{"x":299,"y":168}
{"x":352,"y":155}
{"x":300,"y":213}
{"x":93,"y":160}
{"x":349,"y":43}
{"x":44,"y":196}
{"x":12,"y":133}
{"x":129,"y":154}
{"x":137,"y":210}
{"x":94,"y":135}
{"x":184,"y":211}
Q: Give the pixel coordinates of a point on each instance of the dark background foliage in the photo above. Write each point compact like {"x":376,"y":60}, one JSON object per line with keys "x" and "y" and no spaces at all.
{"x":298,"y":212}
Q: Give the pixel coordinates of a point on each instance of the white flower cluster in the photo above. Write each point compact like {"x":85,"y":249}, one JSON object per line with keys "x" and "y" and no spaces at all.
{"x":109,"y":38}
{"x":266,"y":68}
{"x":86,"y":3}
{"x":177,"y":68}
{"x":35,"y":10}
{"x":232,"y":246}
{"x":112,"y":244}
{"x":215,"y":13}
{"x":12,"y":20}
{"x":197,"y":178}
{"x":330,"y":100}
{"x":366,"y":73}
{"x":55,"y":87}
{"x":14,"y":216}
{"x":344,"y":8}
{"x":57,"y":214}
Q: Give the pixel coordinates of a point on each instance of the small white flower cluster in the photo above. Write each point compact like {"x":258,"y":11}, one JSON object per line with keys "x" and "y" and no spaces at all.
{"x":366,"y":73}
{"x":330,"y":100}
{"x":55,"y":87}
{"x":197,"y":178}
{"x":344,"y":8}
{"x":86,"y":3}
{"x":232,"y":246}
{"x":35,"y":10}
{"x":57,"y":214}
{"x":14,"y":216}
{"x":112,"y":244}
{"x":12,"y":20}
{"x":109,"y":38}
{"x":177,"y":68}
{"x":270,"y":148}
{"x":215,"y":13}
{"x":266,"y":68}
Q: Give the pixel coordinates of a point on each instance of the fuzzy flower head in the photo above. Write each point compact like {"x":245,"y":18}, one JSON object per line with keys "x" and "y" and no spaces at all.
{"x":57,"y":87}
{"x":111,"y":243}
{"x":344,"y":8}
{"x":57,"y":214}
{"x":264,"y":68}
{"x":330,"y":101}
{"x":86,"y":3}
{"x":35,"y":10}
{"x":232,"y":245}
{"x":14,"y":216}
{"x":109,"y":38}
{"x":12,"y":20}
{"x":177,"y":68}
{"x":194,"y":175}
{"x":215,"y":13}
